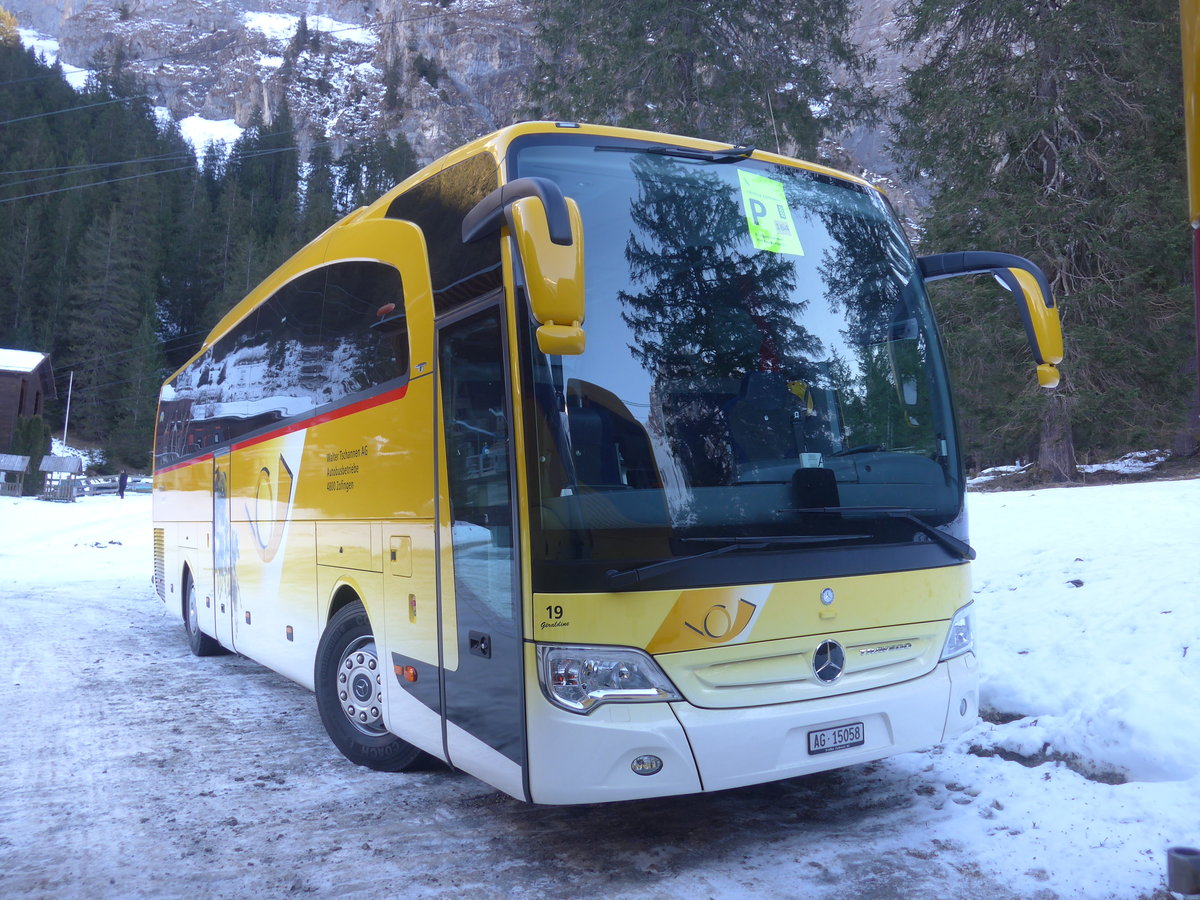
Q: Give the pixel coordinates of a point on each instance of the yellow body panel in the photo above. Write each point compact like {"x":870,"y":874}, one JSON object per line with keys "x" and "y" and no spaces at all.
{"x":410,"y":589}
{"x":706,"y":618}
{"x":1189,"y":17}
{"x":1044,"y":316}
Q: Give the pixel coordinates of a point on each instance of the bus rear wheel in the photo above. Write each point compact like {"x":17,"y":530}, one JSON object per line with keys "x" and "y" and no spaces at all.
{"x":200,"y":643}
{"x":349,"y":682}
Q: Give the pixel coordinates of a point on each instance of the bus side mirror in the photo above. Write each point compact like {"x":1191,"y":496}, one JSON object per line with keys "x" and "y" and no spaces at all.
{"x":553,"y":276}
{"x":548,"y":231}
{"x":1029,"y":287}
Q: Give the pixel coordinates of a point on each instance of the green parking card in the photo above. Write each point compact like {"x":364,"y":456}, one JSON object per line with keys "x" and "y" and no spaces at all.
{"x":768,"y":215}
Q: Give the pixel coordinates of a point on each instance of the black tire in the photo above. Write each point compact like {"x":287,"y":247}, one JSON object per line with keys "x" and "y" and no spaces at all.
{"x":201,"y":643}
{"x":349,"y":681}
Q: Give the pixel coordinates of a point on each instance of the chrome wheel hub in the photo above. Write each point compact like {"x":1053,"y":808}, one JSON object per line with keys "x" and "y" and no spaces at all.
{"x":360,"y":686}
{"x":193,"y":614}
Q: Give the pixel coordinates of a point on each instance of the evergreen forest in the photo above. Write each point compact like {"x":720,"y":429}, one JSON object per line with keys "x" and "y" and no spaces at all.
{"x":1057,"y":134}
{"x":119,"y":250}
{"x":1035,"y":127}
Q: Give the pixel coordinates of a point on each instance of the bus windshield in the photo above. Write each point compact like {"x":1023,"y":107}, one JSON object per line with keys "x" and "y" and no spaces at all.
{"x":762,"y":372}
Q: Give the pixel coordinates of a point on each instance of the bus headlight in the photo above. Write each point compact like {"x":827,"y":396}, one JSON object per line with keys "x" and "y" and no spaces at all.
{"x":961,"y":638}
{"x":581,"y":678}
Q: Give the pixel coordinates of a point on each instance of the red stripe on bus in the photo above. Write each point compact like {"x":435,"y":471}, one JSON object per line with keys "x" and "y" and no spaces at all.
{"x":183,"y":465}
{"x":333,"y":414}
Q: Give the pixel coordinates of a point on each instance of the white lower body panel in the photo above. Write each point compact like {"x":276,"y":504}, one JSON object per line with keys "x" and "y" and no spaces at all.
{"x":737,"y":747}
{"x":587,"y":759}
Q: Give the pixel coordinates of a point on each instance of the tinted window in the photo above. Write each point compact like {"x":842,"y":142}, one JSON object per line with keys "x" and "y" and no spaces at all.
{"x":460,"y":272}
{"x":320,"y":340}
{"x":761,"y":358}
{"x":366,"y":348}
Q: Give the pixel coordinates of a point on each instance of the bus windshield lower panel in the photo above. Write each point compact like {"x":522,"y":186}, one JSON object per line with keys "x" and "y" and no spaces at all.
{"x":762,"y":379}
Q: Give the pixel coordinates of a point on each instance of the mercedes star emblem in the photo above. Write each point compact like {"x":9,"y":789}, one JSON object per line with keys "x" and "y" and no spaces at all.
{"x":829,"y":661}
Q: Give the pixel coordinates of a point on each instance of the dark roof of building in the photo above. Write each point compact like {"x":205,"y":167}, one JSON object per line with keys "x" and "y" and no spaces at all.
{"x":66,"y":465}
{"x":10,"y":462}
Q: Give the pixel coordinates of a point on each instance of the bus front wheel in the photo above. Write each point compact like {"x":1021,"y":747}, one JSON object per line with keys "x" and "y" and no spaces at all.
{"x":349,"y":682}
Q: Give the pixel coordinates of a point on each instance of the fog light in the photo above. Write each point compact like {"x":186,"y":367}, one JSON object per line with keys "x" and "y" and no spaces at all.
{"x":647,"y":765}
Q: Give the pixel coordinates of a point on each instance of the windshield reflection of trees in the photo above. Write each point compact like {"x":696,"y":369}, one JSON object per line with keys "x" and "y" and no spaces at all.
{"x":717,"y":324}
{"x":870,"y":283}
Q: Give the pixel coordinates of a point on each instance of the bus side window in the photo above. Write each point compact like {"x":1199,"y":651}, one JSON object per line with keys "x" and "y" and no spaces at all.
{"x":367,"y":340}
{"x":289,"y":330}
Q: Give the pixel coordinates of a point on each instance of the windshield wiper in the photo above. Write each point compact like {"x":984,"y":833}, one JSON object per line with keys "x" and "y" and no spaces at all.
{"x":861,"y":448}
{"x":949,"y":541}
{"x":732,"y":154}
{"x":620,"y":579}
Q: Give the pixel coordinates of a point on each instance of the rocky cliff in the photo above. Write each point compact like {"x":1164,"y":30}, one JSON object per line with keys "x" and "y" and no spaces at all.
{"x":438,"y":71}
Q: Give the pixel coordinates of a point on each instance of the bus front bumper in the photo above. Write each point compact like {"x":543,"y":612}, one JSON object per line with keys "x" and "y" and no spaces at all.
{"x":589,"y":759}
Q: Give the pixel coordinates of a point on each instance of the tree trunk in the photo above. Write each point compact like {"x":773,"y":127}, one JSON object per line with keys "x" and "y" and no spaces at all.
{"x":1056,"y":448}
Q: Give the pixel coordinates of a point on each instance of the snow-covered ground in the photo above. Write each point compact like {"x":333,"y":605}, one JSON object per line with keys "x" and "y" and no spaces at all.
{"x":1137,"y":463}
{"x":129,"y":768}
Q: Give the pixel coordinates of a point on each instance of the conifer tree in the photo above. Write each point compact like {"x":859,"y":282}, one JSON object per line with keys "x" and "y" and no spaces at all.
{"x":319,"y":190}
{"x":131,"y":435}
{"x":189,"y":234}
{"x":300,"y":39}
{"x":387,"y":162}
{"x":348,"y":176}
{"x":776,"y":74}
{"x":9,"y":35}
{"x":68,"y":222}
{"x":114,"y":287}
{"x":1052,"y":130}
{"x":366,"y":171}
{"x":31,"y":437}
{"x":263,"y":169}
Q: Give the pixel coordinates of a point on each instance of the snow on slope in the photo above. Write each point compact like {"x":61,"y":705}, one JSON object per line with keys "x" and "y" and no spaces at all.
{"x":196,"y":130}
{"x":47,"y":49}
{"x":1087,"y":770}
{"x":201,"y":133}
{"x":282,"y":27}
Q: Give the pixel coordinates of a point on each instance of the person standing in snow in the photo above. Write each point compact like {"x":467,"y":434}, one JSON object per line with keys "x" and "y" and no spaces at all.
{"x":122,"y":480}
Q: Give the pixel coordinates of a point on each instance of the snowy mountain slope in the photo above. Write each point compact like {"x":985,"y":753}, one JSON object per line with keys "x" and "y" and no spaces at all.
{"x":439,"y":74}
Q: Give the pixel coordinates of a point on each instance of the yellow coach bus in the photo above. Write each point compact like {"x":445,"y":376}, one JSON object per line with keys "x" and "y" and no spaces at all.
{"x":599,"y":464}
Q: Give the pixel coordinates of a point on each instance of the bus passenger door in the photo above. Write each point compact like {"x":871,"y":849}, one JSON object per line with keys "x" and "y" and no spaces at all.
{"x":224,"y":550}
{"x":480,"y":599}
